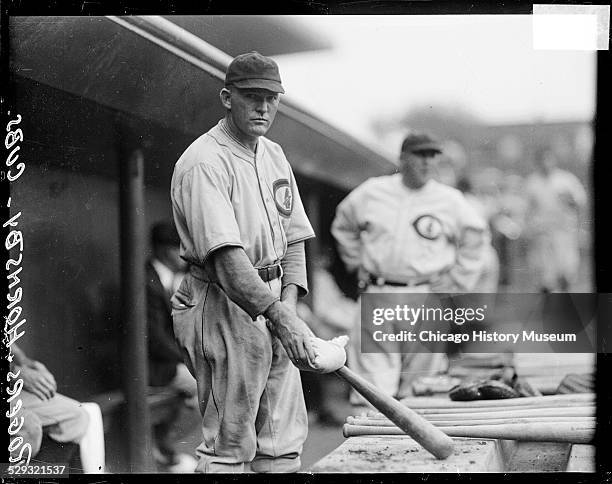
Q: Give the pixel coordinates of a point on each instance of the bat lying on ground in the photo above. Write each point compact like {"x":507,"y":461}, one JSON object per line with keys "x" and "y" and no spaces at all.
{"x":467,"y":414}
{"x":575,"y":399}
{"x":570,"y":432}
{"x":380,"y":422}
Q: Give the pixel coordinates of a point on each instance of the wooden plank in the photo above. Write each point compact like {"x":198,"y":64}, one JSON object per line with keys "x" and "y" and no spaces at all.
{"x":538,"y":457}
{"x":581,"y":458}
{"x":399,"y":454}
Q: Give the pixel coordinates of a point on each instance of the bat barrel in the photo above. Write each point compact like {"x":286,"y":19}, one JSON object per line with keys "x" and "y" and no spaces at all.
{"x":431,"y":438}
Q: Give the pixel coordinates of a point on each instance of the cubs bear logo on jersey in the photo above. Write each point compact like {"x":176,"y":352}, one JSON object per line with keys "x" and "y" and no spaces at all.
{"x":283,"y":196}
{"x":428,"y":226}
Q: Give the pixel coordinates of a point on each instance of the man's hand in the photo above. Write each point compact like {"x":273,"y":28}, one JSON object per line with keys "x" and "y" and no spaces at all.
{"x":38,"y":380}
{"x":293,"y":334}
{"x":444,"y":284}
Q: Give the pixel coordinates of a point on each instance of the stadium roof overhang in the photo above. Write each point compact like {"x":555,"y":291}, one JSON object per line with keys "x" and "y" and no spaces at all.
{"x":167,"y":70}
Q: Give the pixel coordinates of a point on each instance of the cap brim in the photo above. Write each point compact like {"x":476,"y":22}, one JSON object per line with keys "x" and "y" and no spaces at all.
{"x":425,"y":146}
{"x":273,"y":86}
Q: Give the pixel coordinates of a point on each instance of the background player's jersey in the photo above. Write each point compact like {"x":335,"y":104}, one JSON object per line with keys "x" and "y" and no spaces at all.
{"x":397,"y":233}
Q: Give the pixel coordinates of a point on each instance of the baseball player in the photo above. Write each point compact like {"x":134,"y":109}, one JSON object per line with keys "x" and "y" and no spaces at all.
{"x":407,"y":233}
{"x":242,"y":227}
{"x":556,"y":199}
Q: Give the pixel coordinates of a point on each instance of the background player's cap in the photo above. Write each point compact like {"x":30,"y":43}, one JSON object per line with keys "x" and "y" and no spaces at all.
{"x":419,"y":141}
{"x":253,"y":70}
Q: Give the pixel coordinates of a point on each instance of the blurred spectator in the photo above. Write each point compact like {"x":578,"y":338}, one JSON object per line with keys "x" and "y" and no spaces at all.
{"x":489,"y":277}
{"x":165,"y":271}
{"x":508,"y":227}
{"x":62,"y":419}
{"x":556,"y":200}
{"x":504,"y":217}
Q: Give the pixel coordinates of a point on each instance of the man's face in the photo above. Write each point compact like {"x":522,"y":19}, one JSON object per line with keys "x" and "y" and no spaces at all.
{"x":251,"y":110}
{"x":417,"y":167}
{"x":546,"y":162}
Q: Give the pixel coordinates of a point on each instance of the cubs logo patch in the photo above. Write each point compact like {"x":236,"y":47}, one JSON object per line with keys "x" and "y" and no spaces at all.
{"x":428,"y":226}
{"x":283,"y":196}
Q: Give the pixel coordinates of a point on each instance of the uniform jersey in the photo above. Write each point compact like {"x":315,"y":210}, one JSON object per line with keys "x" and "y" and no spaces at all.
{"x":552,"y":226}
{"x":554,"y":201}
{"x":397,"y":233}
{"x":225,"y":195}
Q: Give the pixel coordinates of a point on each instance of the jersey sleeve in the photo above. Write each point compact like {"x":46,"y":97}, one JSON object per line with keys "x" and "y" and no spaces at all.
{"x":471,"y":244}
{"x":346,"y":231}
{"x":577,"y":191}
{"x":205,"y":195}
{"x":299,"y":228}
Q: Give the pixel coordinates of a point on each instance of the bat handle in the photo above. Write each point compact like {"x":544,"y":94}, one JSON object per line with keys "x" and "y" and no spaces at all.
{"x":422,"y":431}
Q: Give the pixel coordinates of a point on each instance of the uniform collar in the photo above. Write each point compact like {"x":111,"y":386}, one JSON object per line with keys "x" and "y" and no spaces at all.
{"x":223,"y":136}
{"x":429,"y":184}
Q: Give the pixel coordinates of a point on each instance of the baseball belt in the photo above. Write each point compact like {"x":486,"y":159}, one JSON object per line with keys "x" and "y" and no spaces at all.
{"x":381,"y":281}
{"x":412,"y":282}
{"x":269,"y":273}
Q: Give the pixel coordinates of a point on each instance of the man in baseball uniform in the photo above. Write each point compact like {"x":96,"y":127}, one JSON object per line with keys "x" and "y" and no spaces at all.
{"x":556,"y":200}
{"x":242,"y":227}
{"x":407,"y":233}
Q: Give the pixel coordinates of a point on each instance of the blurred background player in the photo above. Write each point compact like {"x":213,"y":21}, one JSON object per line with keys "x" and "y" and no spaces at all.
{"x":165,"y":271}
{"x":556,"y":199}
{"x":49,"y":413}
{"x":407,"y":233}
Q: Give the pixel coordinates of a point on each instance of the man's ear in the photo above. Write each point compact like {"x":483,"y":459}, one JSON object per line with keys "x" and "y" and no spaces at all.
{"x":226,"y":98}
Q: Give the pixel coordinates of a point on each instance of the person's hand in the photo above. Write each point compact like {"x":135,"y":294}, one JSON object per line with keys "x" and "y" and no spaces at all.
{"x":443,"y":284}
{"x":38,"y":380}
{"x":567,"y":199}
{"x":293,"y":333}
{"x":37,"y":365}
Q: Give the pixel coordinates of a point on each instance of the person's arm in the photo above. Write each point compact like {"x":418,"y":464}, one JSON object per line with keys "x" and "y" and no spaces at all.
{"x":347,"y":232}
{"x":243,"y":286}
{"x":294,"y":283}
{"x":19,"y":357}
{"x":471,"y":247}
{"x":162,"y":347}
{"x":578,"y":194}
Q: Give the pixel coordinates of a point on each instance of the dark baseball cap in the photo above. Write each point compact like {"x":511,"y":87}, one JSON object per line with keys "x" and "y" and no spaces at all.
{"x":419,"y":141}
{"x":253,"y":70}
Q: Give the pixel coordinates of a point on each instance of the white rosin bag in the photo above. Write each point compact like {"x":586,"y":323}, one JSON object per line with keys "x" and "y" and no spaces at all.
{"x":330,"y":355}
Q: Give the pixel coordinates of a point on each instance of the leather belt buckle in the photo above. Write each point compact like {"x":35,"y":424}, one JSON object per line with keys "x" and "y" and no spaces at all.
{"x":270,"y":273}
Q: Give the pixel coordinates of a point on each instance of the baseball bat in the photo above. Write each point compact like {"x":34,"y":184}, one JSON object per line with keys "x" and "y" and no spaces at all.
{"x":511,"y":412}
{"x":569,"y":432}
{"x":431,"y":438}
{"x":474,"y":411}
{"x":544,"y":401}
{"x":378,"y":422}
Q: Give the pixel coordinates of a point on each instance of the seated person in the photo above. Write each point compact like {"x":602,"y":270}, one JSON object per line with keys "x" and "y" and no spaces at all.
{"x":49,"y":413}
{"x":166,"y":368}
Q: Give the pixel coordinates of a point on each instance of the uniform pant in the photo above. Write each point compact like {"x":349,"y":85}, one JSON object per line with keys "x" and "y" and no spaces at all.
{"x":554,"y":257}
{"x":63,"y":418}
{"x":250,"y":394}
{"x":393,"y":373}
{"x":66,"y":420}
